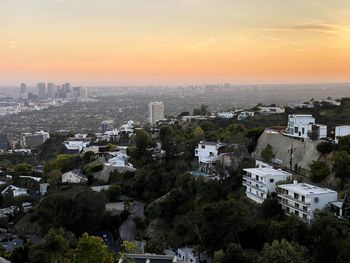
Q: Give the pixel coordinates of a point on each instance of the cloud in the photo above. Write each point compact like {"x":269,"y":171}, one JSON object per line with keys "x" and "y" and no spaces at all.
{"x":312,"y":27}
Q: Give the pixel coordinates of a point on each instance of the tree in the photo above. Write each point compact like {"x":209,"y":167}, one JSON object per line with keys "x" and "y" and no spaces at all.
{"x":54,"y":177}
{"x":88,"y":157}
{"x":92,"y":249}
{"x":344,"y":143}
{"x":283,"y":252}
{"x":324,"y":147}
{"x":55,"y":249}
{"x":155,"y":246}
{"x":113,"y":192}
{"x":341,"y":165}
{"x":318,"y":171}
{"x":267,"y":153}
{"x":142,"y":140}
{"x":23,"y":168}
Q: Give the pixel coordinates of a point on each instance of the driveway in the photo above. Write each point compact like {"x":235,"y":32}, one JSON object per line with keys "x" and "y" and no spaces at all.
{"x":128,"y":229}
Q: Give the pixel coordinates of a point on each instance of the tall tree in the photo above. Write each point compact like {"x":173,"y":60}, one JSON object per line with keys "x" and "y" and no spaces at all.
{"x":92,"y":249}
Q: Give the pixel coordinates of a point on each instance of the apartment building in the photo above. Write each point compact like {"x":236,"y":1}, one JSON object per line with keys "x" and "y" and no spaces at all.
{"x":261,"y":181}
{"x":155,"y":111}
{"x":208,"y":153}
{"x":304,"y":200}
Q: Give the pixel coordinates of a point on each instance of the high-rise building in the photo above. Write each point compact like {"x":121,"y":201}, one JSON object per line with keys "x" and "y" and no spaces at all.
{"x":107,"y":125}
{"x":32,"y":140}
{"x":23,"y":88}
{"x":77,"y":92}
{"x":51,"y":90}
{"x":155,"y":111}
{"x":41,"y":90}
{"x":66,"y":87}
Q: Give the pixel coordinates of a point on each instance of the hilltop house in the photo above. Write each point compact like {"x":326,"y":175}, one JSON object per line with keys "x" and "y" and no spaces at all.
{"x":304,"y":200}
{"x":208,"y":153}
{"x":304,"y":126}
{"x":341,"y":131}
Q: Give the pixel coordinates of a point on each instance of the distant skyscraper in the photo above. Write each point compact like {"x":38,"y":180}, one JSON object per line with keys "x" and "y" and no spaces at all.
{"x":155,"y":111}
{"x":51,"y":90}
{"x":23,"y":88}
{"x":41,"y":90}
{"x":66,"y":87}
{"x":77,"y":92}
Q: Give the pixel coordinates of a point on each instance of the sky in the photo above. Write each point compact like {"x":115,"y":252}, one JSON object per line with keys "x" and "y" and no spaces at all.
{"x":175,"y":42}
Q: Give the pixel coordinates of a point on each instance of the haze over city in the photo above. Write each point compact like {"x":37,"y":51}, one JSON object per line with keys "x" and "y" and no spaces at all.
{"x":94,"y":42}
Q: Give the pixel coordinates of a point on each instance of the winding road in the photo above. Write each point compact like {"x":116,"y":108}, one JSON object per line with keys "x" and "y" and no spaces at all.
{"x":128,"y":228}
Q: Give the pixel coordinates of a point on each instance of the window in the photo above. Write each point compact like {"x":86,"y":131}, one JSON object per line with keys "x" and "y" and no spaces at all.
{"x":303,"y":198}
{"x":303,"y":130}
{"x":296,"y":213}
{"x":296,"y":205}
{"x":304,"y":216}
{"x":203,"y":146}
{"x":256,"y":177}
{"x":262,"y":195}
{"x":210,"y":153}
{"x":296,"y":129}
{"x":296,"y":196}
{"x":316,"y":199}
{"x":271,"y":180}
{"x":305,"y":208}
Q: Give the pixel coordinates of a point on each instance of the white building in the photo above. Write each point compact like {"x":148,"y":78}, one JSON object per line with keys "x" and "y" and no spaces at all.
{"x":272,"y":110}
{"x":73,"y":177}
{"x":189,"y":255}
{"x":341,"y":131}
{"x":261,"y":181}
{"x":208,"y":153}
{"x":245,"y":115}
{"x":76,"y":146}
{"x":225,"y":115}
{"x":16,"y":191}
{"x":155,"y":111}
{"x":120,"y":160}
{"x":304,"y":200}
{"x":298,"y":125}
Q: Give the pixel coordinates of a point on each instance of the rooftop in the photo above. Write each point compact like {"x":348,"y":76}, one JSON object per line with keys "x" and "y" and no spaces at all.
{"x":306,"y":189}
{"x":266,"y":171}
{"x":212,"y":143}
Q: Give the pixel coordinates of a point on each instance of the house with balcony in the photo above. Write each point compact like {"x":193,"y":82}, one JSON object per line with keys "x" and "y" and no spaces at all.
{"x":261,"y":181}
{"x":304,"y":126}
{"x":303,"y":200}
{"x":208,"y":153}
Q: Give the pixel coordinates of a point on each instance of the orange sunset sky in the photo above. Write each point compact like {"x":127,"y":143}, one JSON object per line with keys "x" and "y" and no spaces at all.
{"x":174,"y":41}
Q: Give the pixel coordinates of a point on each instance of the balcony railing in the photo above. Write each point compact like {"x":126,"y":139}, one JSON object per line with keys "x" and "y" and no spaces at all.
{"x":288,"y":197}
{"x":262,"y":189}
{"x":254,"y":180}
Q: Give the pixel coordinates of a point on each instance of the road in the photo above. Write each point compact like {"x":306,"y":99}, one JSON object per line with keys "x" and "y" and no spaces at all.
{"x":128,"y":228}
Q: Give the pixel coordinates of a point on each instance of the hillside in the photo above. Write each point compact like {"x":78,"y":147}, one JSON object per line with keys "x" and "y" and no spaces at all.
{"x":303,"y":152}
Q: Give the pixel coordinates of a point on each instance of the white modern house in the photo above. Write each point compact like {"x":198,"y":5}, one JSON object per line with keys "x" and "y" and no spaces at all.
{"x":341,"y":131}
{"x":76,"y":146}
{"x":189,"y":255}
{"x":272,"y":110}
{"x":120,"y":160}
{"x":304,"y":200}
{"x":208,"y":153}
{"x":73,"y":177}
{"x":225,"y":115}
{"x":16,"y":191}
{"x":304,"y":126}
{"x":261,"y":181}
{"x":245,"y":115}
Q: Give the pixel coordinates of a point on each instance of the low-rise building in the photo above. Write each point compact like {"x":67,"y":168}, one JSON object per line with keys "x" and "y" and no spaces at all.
{"x":189,"y":255}
{"x":225,"y":115}
{"x":245,"y":115}
{"x":260,"y":182}
{"x":272,"y":110}
{"x":208,"y":153}
{"x":304,"y":200}
{"x":73,"y":177}
{"x":16,"y":191}
{"x":341,"y":131}
{"x":75,"y":146}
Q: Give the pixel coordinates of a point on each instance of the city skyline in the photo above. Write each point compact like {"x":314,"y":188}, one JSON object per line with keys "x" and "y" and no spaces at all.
{"x":174,"y":42}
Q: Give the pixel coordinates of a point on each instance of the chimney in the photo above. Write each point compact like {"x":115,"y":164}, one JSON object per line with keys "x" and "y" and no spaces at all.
{"x":295,"y":181}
